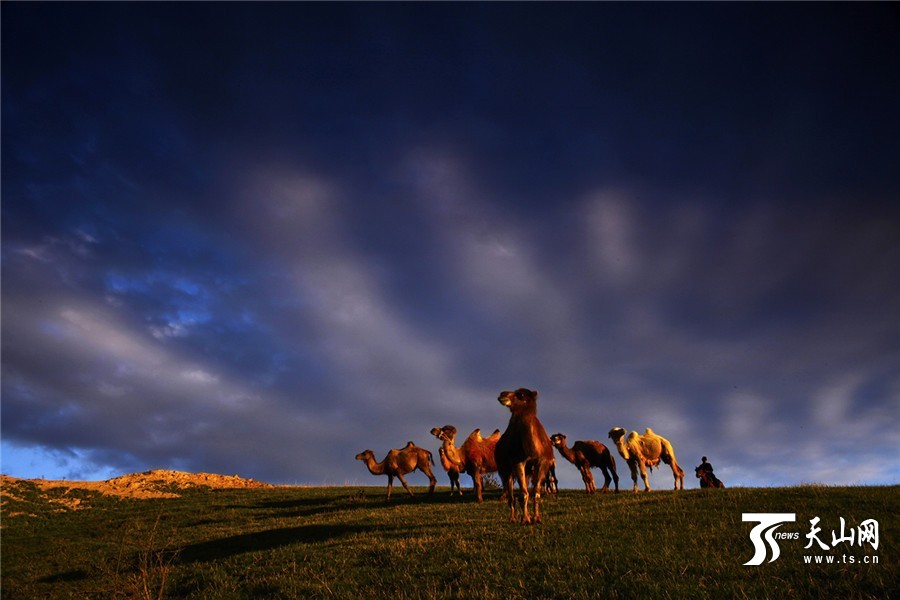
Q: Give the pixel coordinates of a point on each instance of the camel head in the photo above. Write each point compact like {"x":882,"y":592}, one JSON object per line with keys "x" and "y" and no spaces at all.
{"x":519,"y":401}
{"x":558,"y":440}
{"x":447,"y":433}
{"x":616,"y":434}
{"x":365,"y":455}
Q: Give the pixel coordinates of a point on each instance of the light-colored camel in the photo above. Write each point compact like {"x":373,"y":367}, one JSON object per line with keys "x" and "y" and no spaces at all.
{"x":642,"y":451}
{"x":452,"y":471}
{"x":450,"y":456}
{"x":475,"y":456}
{"x":523,"y":449}
{"x":587,"y":454}
{"x":398,"y":463}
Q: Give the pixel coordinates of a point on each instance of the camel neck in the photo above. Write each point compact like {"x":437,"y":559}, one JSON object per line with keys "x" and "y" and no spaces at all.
{"x":375,"y":468}
{"x":453,"y":453}
{"x":526,"y":414}
{"x":567,"y":452}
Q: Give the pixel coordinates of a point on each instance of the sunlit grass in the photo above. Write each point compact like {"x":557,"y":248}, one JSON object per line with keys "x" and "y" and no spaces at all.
{"x":347,"y":542}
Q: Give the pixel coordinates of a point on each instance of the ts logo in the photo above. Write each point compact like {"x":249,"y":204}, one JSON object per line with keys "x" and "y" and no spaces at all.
{"x":768,"y":523}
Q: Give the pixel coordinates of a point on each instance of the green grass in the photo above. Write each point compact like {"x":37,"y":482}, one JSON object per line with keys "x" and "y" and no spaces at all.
{"x":347,"y":542}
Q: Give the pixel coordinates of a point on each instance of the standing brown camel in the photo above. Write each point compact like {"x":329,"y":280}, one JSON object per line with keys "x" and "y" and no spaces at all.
{"x":523,"y":449}
{"x":398,"y":463}
{"x":475,"y":456}
{"x":587,"y":454}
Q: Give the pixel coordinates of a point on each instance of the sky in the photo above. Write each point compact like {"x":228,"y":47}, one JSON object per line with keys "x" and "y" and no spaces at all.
{"x":257,"y":239}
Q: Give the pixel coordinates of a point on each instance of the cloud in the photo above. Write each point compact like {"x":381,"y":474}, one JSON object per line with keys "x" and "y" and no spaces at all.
{"x":336,"y":289}
{"x":611,"y":230}
{"x":271,"y":279}
{"x":493,"y":257}
{"x":326,"y":339}
{"x":79,"y":376}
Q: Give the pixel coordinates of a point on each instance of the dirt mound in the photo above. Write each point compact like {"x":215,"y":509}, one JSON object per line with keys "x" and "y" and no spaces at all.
{"x":68,"y":495}
{"x":162,"y":481}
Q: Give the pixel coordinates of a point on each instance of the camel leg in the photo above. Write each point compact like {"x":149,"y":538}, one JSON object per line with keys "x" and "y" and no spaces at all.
{"x":634,"y":474}
{"x":390,"y":486}
{"x":588,"y":480}
{"x":403,"y":481}
{"x":644,"y":478}
{"x":606,"y":479}
{"x":478,"y":482}
{"x":539,"y":477}
{"x":523,"y":485}
{"x":669,"y":458}
{"x":432,"y":480}
{"x":510,"y":487}
{"x":676,"y":470}
{"x":615,"y":478}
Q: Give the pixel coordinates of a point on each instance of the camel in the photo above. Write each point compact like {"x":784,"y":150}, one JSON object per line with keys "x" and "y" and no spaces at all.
{"x":551,"y":484}
{"x":451,"y":457}
{"x":523,"y":449}
{"x":642,"y":451}
{"x":587,"y":454}
{"x":475,"y":456}
{"x":707,"y":479}
{"x":452,"y":471}
{"x":705,"y":474}
{"x":398,"y":463}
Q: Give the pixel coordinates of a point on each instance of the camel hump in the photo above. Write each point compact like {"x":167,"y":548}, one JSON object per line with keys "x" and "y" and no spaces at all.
{"x":409,"y":445}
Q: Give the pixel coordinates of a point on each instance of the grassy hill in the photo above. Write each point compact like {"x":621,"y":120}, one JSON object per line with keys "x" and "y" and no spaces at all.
{"x":346,"y":542}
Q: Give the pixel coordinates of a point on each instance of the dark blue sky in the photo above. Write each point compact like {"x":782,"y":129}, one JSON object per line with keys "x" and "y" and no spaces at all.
{"x":260,"y":238}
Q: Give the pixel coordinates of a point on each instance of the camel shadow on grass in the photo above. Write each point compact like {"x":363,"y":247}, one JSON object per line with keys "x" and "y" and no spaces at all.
{"x":314,"y":507}
{"x":260,"y":541}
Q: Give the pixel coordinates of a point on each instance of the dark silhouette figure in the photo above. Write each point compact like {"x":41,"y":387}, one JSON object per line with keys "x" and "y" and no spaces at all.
{"x":706,"y":476}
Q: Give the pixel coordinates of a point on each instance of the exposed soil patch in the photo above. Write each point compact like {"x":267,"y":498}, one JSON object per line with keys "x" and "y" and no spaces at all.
{"x":67,"y":495}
